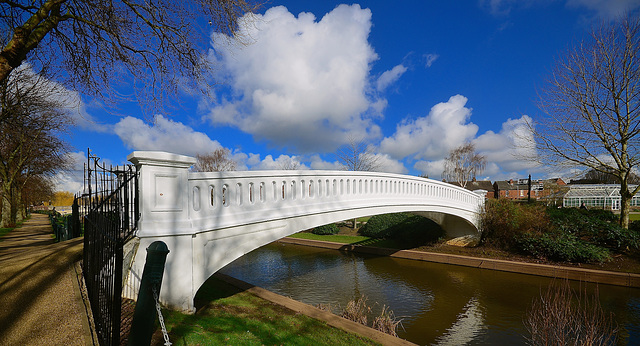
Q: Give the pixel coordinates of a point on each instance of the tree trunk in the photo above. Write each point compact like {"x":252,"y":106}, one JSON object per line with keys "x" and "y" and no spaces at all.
{"x":6,"y":206}
{"x":625,"y":204}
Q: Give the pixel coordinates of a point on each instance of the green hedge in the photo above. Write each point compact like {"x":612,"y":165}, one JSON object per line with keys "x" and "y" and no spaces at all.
{"x":329,"y":229}
{"x":404,"y":227}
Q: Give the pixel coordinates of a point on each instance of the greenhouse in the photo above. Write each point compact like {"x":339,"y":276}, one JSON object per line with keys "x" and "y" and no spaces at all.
{"x":605,"y":196}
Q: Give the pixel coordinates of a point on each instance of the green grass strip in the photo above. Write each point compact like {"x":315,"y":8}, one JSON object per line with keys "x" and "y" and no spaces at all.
{"x":4,"y":231}
{"x":227,"y":316}
{"x":356,"y":240}
{"x":343,"y":239}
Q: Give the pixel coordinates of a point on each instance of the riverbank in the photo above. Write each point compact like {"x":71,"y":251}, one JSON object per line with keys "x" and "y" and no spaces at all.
{"x":547,"y":270}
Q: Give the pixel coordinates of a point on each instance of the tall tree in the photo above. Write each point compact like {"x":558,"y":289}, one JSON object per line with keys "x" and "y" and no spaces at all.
{"x":463,"y":164}
{"x":591,"y":104}
{"x":153,"y":43}
{"x":218,"y":160}
{"x":31,"y":121}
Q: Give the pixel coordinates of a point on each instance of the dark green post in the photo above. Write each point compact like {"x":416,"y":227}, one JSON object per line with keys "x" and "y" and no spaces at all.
{"x":75,"y":218}
{"x":144,"y":316}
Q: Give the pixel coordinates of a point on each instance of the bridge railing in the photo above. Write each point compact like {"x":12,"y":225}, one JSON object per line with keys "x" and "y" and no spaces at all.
{"x":175,"y":201}
{"x":223,"y":199}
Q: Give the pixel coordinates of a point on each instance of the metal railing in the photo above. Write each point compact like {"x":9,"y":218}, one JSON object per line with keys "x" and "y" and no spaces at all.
{"x":109,"y":209}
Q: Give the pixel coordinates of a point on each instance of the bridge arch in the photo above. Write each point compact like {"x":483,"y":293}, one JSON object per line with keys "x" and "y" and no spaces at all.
{"x":210,"y":219}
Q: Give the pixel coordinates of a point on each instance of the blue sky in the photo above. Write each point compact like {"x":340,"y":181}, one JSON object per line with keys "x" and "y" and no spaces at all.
{"x":413,"y":78}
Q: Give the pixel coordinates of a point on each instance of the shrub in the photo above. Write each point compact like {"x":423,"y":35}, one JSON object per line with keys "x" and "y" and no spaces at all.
{"x":561,"y":247}
{"x":599,"y":227}
{"x":503,"y":220}
{"x":329,"y":229}
{"x":402,"y":226}
{"x":562,"y":317}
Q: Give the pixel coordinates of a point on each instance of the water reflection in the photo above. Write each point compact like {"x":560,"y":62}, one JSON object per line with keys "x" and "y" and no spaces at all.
{"x":438,"y":303}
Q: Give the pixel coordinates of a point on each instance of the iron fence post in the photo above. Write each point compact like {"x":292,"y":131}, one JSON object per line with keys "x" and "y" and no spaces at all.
{"x":143,"y":326}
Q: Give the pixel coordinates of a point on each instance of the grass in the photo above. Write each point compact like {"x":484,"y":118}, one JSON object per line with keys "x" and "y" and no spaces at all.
{"x":4,"y":231}
{"x":227,"y":316}
{"x":356,"y":240}
{"x":343,"y":239}
{"x":634,"y":217}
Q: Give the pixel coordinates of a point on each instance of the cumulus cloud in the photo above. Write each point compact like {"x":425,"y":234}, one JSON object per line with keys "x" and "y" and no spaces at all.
{"x":164,"y":135}
{"x":432,"y":169}
{"x":431,"y":137}
{"x":389,"y":77}
{"x":510,"y":148}
{"x":280,"y":163}
{"x":389,"y":165}
{"x":301,"y":82}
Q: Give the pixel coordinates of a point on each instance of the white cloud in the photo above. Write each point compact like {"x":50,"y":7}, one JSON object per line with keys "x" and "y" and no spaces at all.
{"x":318,"y":163}
{"x":431,"y":137}
{"x":301,"y":82}
{"x":282,"y":162}
{"x":389,"y":77}
{"x":71,"y":180}
{"x":432,"y":169}
{"x":429,"y":59}
{"x":609,"y":9}
{"x":164,"y":135}
{"x":389,"y":165}
{"x":511,"y":147}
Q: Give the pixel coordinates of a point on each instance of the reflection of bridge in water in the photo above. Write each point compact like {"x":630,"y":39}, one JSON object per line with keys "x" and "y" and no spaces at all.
{"x":210,"y":219}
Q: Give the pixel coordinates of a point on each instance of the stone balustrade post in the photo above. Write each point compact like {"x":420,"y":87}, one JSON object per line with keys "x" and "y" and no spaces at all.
{"x":163,"y":192}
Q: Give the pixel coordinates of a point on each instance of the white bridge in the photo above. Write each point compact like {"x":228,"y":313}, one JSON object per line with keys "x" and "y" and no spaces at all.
{"x":210,"y":219}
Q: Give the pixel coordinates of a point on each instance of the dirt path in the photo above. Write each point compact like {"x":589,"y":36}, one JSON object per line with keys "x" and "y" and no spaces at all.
{"x":40,"y":301}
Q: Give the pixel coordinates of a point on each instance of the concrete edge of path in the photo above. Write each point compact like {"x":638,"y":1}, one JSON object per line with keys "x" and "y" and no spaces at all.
{"x":313,"y":312}
{"x":90,"y":337}
{"x":547,"y":270}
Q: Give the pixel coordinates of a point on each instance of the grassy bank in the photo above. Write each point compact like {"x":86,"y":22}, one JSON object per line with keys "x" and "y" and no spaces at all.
{"x":228,"y":316}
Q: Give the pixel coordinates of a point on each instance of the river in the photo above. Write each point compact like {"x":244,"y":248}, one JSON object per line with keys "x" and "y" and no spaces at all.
{"x":437,"y":303}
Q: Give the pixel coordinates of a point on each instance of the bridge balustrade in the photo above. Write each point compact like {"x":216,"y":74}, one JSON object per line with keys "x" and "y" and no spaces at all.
{"x":225,"y":199}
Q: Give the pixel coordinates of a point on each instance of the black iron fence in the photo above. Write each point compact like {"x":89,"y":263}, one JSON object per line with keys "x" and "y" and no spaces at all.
{"x":109,"y":210}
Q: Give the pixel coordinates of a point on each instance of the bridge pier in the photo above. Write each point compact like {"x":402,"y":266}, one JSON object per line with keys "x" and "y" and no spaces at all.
{"x":207,"y":220}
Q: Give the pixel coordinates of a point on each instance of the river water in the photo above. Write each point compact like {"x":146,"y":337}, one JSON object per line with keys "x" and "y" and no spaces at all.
{"x":437,"y":303}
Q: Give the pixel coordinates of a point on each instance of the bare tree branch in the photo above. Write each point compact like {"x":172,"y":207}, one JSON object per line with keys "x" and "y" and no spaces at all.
{"x":218,"y":160}
{"x":357,"y":155}
{"x":463,"y":164}
{"x":160,"y":46}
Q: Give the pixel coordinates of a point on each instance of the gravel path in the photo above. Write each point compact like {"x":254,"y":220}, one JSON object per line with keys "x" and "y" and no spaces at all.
{"x":40,"y":302}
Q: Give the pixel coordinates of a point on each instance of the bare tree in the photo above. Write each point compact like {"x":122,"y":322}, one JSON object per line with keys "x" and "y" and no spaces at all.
{"x":153,"y":43}
{"x":31,"y":122}
{"x":289,"y":164}
{"x":218,"y":160}
{"x":605,"y":176}
{"x":591,"y":104}
{"x":357,"y":155}
{"x":463,"y":164}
